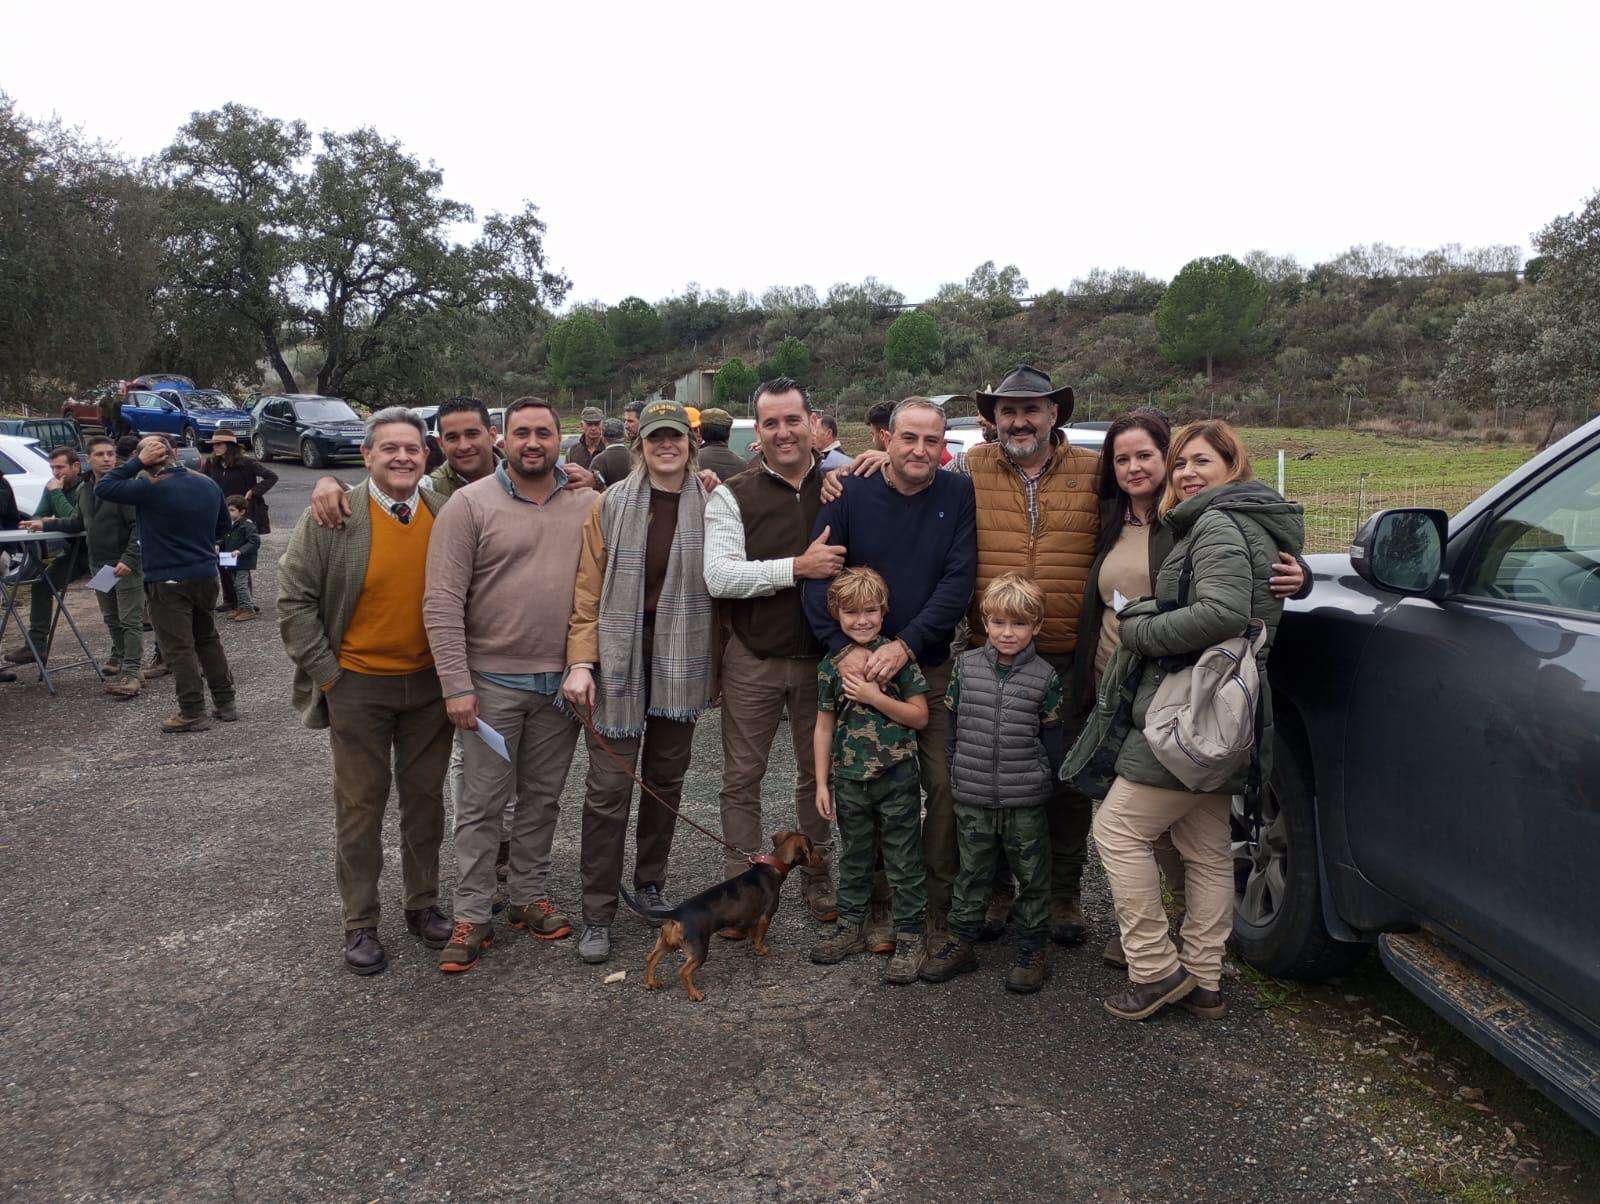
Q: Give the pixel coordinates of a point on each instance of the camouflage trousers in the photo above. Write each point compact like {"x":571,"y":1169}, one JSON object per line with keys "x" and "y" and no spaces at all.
{"x":1021,"y":837}
{"x":884,"y":813}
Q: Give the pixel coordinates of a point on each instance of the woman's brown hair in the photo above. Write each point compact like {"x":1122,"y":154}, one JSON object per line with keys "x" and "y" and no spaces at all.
{"x":1222,"y":438}
{"x":1114,"y":500}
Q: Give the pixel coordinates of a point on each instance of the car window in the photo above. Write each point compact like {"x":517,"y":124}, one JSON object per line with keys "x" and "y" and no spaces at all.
{"x":1545,"y":549}
{"x":8,"y":466}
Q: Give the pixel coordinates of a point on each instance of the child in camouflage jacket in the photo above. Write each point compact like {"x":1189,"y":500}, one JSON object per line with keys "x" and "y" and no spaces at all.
{"x":865,"y":747}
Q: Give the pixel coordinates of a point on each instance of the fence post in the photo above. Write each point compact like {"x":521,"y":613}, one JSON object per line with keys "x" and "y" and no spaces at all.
{"x":1361,"y":501}
{"x":1280,"y":473}
{"x":1280,"y":416}
{"x":1349,"y":400}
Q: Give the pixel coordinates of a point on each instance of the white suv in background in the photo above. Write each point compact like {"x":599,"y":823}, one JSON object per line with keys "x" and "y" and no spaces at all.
{"x":26,"y":470}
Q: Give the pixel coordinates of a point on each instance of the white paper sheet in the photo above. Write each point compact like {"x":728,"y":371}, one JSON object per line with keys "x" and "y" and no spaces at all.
{"x":1118,"y":601}
{"x":493,"y":739}
{"x":105,"y":580}
{"x":228,"y":560}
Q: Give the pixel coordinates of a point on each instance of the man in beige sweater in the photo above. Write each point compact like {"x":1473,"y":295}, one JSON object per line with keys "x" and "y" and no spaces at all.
{"x":501,"y":569}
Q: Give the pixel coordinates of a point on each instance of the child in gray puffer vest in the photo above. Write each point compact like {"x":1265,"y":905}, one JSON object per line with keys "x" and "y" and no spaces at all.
{"x":1004,"y":703}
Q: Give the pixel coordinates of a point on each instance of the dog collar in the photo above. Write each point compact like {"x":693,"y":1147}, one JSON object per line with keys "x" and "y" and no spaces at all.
{"x":771,"y":859}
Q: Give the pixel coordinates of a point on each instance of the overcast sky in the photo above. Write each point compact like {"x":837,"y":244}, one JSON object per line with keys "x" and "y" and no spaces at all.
{"x":744,"y":145}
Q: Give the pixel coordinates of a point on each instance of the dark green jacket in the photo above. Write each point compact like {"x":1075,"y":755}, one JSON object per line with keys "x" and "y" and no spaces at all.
{"x":1231,"y":585}
{"x":112,"y":529}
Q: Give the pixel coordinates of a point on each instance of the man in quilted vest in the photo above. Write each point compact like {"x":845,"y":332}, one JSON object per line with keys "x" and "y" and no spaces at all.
{"x":1038,"y":515}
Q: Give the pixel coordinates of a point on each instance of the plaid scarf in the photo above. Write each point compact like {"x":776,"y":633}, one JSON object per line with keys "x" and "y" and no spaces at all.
{"x":678,"y":685}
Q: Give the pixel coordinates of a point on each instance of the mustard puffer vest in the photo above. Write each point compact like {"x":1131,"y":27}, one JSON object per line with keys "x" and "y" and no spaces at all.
{"x":1058,"y":554}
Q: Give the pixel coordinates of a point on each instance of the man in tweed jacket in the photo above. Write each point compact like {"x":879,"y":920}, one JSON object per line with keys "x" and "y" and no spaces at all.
{"x":350,"y":613}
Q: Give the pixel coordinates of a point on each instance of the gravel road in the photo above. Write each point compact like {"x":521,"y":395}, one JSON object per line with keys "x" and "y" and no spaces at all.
{"x":178,"y":1024}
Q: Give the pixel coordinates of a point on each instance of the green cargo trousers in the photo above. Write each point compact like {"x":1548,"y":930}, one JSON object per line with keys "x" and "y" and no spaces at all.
{"x":122,"y":609}
{"x":1021,"y":837}
{"x":61,"y":569}
{"x":186,"y":631}
{"x":882,"y":813}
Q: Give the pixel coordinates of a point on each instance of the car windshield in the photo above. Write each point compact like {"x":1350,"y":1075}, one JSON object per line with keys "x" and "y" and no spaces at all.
{"x":210,"y":399}
{"x":326,"y":409}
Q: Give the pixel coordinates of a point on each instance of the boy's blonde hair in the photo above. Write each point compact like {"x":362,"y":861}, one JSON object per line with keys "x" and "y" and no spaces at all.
{"x":1013,"y":596}
{"x":858,"y":589}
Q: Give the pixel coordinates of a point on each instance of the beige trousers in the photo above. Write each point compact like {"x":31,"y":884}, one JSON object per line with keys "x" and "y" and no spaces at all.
{"x":1126,"y":827}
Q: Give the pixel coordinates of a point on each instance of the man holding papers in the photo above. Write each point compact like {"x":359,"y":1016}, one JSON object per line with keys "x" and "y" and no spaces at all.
{"x":501,"y":571}
{"x":350,"y":613}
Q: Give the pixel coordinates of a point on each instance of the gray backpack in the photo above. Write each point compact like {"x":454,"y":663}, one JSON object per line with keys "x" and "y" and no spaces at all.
{"x":1201,"y":725}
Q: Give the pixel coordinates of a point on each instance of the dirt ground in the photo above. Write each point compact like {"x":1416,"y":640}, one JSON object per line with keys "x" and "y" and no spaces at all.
{"x":178,"y":1024}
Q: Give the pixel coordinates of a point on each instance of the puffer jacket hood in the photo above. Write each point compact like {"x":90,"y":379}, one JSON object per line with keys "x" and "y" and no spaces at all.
{"x":1283,"y":522}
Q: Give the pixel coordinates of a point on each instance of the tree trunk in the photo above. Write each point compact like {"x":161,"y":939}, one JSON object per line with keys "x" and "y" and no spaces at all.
{"x":279,"y":364}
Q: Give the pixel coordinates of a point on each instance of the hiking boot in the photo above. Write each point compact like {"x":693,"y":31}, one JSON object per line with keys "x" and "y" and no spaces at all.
{"x":1141,"y":1000}
{"x":842,"y":942}
{"x":953,"y":956}
{"x":124,"y":686}
{"x":879,"y":928}
{"x":653,"y":898}
{"x":996,"y":915}
{"x":910,"y":955}
{"x":19,"y":656}
{"x":539,"y":919}
{"x":502,"y":861}
{"x":1112,"y":954}
{"x":1028,"y":975}
{"x":1066,"y":922}
{"x":594,"y":946}
{"x":1204,"y":1002}
{"x":156,"y":668}
{"x":817,"y":893}
{"x":467,"y":943}
{"x":363,"y":953}
{"x":429,"y":925}
{"x":243,"y":615}
{"x":226,"y":711}
{"x":185,"y":723}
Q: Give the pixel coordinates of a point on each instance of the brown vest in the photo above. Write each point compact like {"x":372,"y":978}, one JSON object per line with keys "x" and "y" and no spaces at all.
{"x":777,"y":524}
{"x":1058,"y":554}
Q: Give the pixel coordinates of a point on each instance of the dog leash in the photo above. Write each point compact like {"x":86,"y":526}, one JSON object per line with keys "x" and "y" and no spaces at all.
{"x":588,"y":723}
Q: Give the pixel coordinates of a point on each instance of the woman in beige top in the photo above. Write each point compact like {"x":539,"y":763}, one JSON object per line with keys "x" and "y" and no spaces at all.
{"x":1132,"y":545}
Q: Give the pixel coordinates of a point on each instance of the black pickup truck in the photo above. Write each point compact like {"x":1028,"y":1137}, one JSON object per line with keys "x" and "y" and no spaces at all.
{"x":1436,"y":788}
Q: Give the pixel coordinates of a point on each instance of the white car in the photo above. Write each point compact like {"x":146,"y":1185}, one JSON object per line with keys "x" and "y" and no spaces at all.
{"x":26,"y":470}
{"x":960,"y":437}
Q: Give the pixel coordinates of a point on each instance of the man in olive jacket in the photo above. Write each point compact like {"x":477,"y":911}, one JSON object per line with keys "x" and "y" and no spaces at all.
{"x":350,"y":613}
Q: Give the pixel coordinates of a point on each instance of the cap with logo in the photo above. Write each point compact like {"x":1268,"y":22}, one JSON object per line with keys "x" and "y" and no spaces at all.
{"x":663,"y":414}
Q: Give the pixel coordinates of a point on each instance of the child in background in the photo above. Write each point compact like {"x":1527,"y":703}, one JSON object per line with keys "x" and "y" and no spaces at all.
{"x":866,"y":758}
{"x":244,"y":541}
{"x":1004,"y":701}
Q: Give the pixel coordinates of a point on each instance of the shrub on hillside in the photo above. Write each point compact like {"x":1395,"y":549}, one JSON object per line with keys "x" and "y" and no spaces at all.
{"x":578,"y":352}
{"x":634,"y":325}
{"x":912,"y":343}
{"x":791,"y":359}
{"x":734,"y":383}
{"x":1209,"y":312}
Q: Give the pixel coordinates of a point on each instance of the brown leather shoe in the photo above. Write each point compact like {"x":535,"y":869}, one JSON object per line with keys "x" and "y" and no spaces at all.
{"x":1141,"y":1000}
{"x":1066,"y":921}
{"x":226,"y":711}
{"x":363,"y":953}
{"x":817,"y":892}
{"x":1112,"y":954}
{"x":1204,"y":1003}
{"x":879,"y":930}
{"x":185,"y":723}
{"x":997,"y":913}
{"x":124,"y":686}
{"x":429,"y":926}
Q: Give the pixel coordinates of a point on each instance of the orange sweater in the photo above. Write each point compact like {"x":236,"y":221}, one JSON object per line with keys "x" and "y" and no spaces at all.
{"x":385,"y":636}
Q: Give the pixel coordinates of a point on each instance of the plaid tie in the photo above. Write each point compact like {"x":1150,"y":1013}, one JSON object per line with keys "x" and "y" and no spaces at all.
{"x":402,"y":513}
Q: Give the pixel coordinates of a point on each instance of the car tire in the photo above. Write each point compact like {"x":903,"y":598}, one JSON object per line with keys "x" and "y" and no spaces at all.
{"x":258,"y":445}
{"x":311,"y":455}
{"x":1278,"y":925}
{"x":191,"y":437}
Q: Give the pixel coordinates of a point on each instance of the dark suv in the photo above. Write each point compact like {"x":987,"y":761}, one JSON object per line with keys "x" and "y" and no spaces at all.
{"x":1436,"y":788}
{"x":318,"y":430}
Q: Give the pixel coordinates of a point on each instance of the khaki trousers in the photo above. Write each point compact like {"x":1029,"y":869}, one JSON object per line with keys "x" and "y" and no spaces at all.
{"x":608,"y":794}
{"x":755,"y":693}
{"x":1126,"y":827}
{"x":540,"y":741}
{"x":376,"y":722}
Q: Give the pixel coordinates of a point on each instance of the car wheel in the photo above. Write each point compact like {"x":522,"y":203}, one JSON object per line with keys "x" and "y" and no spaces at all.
{"x":1278,"y":925}
{"x":310,"y":455}
{"x":191,"y":437}
{"x":259,"y":446}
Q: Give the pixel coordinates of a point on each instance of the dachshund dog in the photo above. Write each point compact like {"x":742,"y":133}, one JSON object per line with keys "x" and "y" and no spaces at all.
{"x":746,"y":903}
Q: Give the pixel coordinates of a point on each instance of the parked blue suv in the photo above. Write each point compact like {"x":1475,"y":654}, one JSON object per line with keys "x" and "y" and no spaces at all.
{"x":191,"y":416}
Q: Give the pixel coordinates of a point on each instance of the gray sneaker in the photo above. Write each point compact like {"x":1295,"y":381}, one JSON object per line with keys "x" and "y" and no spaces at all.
{"x":910,"y":953}
{"x":653,"y":898}
{"x":594,"y":946}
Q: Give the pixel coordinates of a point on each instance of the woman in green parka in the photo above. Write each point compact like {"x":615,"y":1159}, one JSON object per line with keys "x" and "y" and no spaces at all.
{"x":1233,"y":530}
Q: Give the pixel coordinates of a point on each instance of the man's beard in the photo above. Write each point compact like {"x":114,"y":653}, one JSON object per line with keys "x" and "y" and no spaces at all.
{"x":1013,"y":447}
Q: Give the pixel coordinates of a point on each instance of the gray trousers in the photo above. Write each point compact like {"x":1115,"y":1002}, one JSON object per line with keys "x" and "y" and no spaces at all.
{"x":540,"y":741}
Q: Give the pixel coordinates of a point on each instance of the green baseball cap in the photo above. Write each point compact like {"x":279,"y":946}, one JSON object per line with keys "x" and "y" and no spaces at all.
{"x":660,"y":414}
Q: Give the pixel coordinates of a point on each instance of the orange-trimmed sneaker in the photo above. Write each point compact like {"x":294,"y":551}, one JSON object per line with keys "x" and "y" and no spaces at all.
{"x":467,"y":942}
{"x":540,"y":919}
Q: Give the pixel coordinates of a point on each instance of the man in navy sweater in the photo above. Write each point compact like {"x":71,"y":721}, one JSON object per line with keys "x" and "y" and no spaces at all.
{"x":918,"y":527}
{"x":182,"y":517}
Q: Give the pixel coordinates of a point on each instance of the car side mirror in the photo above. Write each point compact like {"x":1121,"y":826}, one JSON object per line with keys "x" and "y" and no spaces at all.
{"x":1402,"y":551}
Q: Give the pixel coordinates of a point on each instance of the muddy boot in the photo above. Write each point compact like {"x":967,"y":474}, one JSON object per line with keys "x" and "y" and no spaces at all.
{"x":953,"y":956}
{"x":1028,"y":975}
{"x":179,"y":724}
{"x":997,"y":913}
{"x":1141,"y":1000}
{"x":1112,"y":954}
{"x":124,"y":686}
{"x":1066,"y":922}
{"x":845,"y":939}
{"x":879,"y":929}
{"x":817,"y":893}
{"x":910,"y":955}
{"x":1205,"y":1003}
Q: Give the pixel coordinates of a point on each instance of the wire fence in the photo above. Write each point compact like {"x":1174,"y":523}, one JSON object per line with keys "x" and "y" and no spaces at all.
{"x":1335,"y":510}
